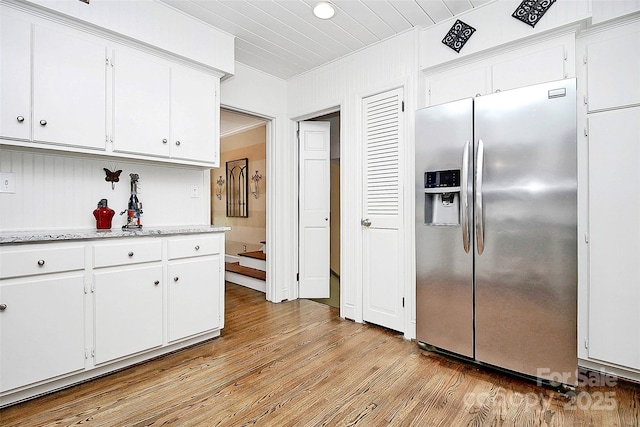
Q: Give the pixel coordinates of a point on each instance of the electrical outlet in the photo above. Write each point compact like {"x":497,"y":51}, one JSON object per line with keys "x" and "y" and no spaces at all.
{"x":194,"y":193}
{"x":7,"y":182}
{"x":244,"y":248}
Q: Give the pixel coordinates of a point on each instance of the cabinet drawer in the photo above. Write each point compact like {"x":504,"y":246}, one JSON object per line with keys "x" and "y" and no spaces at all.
{"x":199,"y":245}
{"x":126,"y":253}
{"x":40,"y":260}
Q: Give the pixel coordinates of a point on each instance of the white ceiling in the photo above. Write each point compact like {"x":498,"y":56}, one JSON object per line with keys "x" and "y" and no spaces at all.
{"x":232,"y":122}
{"x":284,"y":39}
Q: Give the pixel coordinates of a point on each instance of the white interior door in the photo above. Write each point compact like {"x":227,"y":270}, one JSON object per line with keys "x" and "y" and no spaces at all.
{"x":383,"y":276}
{"x":313,"y":264}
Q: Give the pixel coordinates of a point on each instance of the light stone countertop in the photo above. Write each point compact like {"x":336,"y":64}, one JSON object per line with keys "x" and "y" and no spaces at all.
{"x":40,"y":236}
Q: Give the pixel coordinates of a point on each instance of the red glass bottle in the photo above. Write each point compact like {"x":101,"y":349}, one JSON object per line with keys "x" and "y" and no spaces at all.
{"x":103,"y":215}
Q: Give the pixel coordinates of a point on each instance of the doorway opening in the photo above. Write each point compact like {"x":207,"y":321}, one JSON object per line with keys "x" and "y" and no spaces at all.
{"x":334,"y":209}
{"x":238,"y":196}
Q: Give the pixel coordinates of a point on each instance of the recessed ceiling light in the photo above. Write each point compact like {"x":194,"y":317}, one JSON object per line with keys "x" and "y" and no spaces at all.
{"x":324,"y":10}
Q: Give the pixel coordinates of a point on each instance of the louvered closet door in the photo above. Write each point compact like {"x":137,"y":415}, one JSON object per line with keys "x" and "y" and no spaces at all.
{"x":383,"y":276}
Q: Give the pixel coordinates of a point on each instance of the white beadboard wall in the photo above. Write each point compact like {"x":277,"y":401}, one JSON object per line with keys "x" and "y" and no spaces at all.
{"x":56,"y":191}
{"x":343,"y":83}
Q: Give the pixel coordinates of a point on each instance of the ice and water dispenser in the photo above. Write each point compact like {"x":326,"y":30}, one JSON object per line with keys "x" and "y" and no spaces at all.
{"x":442,"y":197}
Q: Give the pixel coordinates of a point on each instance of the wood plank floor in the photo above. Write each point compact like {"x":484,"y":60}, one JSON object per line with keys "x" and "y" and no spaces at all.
{"x":297,"y":363}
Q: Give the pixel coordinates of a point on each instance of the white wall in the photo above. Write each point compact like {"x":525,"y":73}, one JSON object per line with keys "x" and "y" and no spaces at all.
{"x":258,"y":93}
{"x":343,"y":83}
{"x":60,"y":191}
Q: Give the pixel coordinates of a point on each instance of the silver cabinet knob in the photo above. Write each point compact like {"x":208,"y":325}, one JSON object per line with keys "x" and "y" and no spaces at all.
{"x":43,"y":122}
{"x":175,"y":279}
{"x":197,"y":247}
{"x":157,"y":282}
{"x":365,"y":222}
{"x":478,"y":95}
{"x":20,"y":119}
{"x":3,"y":307}
{"x":498,"y":91}
{"x":164,"y":140}
{"x":177,"y":142}
{"x":40,"y":262}
{"x":130,"y":254}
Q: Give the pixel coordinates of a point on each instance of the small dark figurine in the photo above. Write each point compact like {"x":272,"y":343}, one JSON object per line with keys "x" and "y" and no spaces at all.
{"x":112,"y":177}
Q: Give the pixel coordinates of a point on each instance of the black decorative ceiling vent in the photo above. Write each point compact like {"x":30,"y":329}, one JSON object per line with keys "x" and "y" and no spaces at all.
{"x":458,"y":35}
{"x":530,"y":11}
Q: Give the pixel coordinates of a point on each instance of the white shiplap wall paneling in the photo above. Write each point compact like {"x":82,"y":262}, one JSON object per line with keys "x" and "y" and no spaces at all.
{"x":61,"y":192}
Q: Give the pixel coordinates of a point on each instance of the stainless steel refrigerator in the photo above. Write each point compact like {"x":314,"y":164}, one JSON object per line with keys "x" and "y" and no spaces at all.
{"x":496,"y":229}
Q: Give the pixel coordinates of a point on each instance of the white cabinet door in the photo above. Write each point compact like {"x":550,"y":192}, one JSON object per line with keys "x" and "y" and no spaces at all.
{"x":193,"y":115}
{"x":546,"y":65}
{"x":141,"y":104}
{"x":457,"y":84}
{"x":614,"y":230}
{"x":15,"y":81}
{"x":128,"y":311}
{"x":613,"y":70}
{"x":194,"y":296}
{"x":41,"y":329}
{"x":69,"y":89}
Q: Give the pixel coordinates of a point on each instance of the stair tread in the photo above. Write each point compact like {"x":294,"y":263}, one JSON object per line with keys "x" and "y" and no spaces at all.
{"x":235,"y":267}
{"x":255,"y":254}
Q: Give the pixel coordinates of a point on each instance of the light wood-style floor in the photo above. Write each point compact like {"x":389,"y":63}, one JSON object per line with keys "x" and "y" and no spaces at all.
{"x":297,"y":363}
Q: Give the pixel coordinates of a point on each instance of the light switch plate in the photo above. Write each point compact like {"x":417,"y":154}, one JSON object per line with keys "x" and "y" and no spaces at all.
{"x":7,"y":182}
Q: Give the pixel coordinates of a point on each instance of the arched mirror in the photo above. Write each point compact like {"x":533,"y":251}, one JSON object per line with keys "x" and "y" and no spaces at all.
{"x":237,"y":188}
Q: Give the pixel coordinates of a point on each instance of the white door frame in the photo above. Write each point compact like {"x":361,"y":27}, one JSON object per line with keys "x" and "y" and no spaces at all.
{"x":271,"y":291}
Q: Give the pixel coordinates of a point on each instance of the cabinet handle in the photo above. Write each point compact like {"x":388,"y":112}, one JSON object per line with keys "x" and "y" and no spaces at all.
{"x":197,"y":247}
{"x":177,"y":142}
{"x":20,"y":119}
{"x":40,"y":262}
{"x":43,"y":122}
{"x":3,"y":307}
{"x":164,"y":140}
{"x":175,"y":279}
{"x":157,"y":282}
{"x":130,"y":254}
{"x":478,"y":95}
{"x":498,"y":91}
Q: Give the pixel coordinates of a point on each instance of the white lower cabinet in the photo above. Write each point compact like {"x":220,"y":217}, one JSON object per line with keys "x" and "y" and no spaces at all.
{"x":70,"y":311}
{"x":127,"y":311}
{"x":194,"y":296}
{"x":41,"y":329}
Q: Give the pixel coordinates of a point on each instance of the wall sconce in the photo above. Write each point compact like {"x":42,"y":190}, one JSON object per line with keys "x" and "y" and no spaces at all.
{"x":254,"y":185}
{"x":220,"y":183}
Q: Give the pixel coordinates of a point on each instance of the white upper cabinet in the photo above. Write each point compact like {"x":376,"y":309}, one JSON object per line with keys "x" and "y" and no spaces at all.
{"x":194,"y":115}
{"x":546,"y":65}
{"x":164,"y":109}
{"x":15,"y":83}
{"x":545,"y":62}
{"x":613,"y":69}
{"x":141,"y":103}
{"x":53,"y":84}
{"x":450,"y":86}
{"x":69,"y":89}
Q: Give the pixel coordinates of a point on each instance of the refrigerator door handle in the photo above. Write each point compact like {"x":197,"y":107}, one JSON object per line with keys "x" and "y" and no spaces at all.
{"x":465,"y":197}
{"x":478,"y":198}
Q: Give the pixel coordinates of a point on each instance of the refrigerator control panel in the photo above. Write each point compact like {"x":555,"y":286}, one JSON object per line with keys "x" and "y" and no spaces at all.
{"x":439,"y":179}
